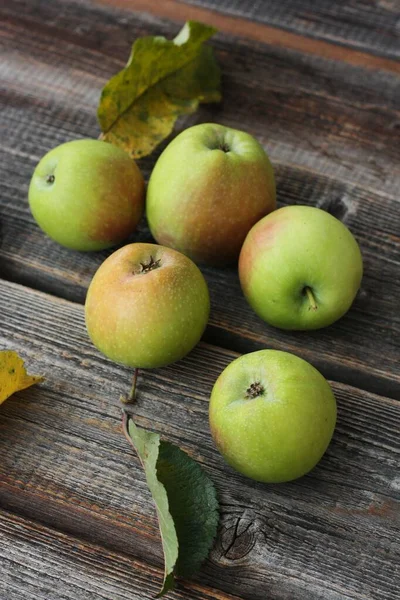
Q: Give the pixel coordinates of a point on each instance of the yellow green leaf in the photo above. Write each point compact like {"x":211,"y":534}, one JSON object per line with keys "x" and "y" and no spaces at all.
{"x":162,"y":80}
{"x":13,"y":375}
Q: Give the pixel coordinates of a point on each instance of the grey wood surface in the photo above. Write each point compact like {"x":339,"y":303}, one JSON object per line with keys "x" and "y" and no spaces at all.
{"x":331,"y":131}
{"x":372,"y":26}
{"x":345,"y":351}
{"x":39,"y":563}
{"x":328,"y":116}
{"x":317,"y":83}
{"x":331,"y":534}
{"x":261,"y":26}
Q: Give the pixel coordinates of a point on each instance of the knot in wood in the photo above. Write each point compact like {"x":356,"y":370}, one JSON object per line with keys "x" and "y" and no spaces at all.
{"x":237,"y":539}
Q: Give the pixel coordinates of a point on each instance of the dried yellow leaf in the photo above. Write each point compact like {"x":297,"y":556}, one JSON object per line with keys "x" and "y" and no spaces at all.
{"x":13,"y":375}
{"x":163,"y":80}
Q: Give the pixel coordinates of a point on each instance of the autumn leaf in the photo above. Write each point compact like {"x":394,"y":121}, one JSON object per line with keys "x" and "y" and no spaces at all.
{"x":185,"y":499}
{"x":162,"y":80}
{"x":13,"y":376}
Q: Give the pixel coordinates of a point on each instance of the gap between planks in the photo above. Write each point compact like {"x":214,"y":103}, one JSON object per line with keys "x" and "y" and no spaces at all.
{"x":43,"y":563}
{"x":66,"y":463}
{"x":347,"y":350}
{"x":369,"y":27}
{"x":227,"y":339}
{"x":267,"y":34}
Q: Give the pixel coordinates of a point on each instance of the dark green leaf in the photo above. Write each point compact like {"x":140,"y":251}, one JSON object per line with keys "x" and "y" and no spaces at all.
{"x":185,"y":500}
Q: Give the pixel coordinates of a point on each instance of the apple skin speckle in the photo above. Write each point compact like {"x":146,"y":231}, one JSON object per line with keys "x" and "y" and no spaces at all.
{"x":146,"y":319}
{"x":280,"y":434}
{"x":203,"y":201}
{"x":297,"y":249}
{"x":87,"y":195}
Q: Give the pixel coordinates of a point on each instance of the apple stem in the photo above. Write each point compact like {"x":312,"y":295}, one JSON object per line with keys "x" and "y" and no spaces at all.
{"x":311,"y":299}
{"x":131,"y":397}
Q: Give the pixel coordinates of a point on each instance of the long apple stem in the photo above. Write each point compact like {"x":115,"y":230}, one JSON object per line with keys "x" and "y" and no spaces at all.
{"x":131,"y":397}
{"x":311,"y":299}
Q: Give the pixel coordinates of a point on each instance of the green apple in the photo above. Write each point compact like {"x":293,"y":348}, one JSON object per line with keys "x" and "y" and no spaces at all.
{"x":147,"y":306}
{"x":272,"y":415}
{"x":300,"y":268}
{"x":207,"y":189}
{"x":87,"y":195}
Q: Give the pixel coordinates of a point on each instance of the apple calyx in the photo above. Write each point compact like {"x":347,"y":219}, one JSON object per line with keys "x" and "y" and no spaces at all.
{"x":255,"y":390}
{"x":218,"y":143}
{"x":224,"y":147}
{"x":150,"y":266}
{"x":308,"y":291}
{"x":50,"y":179}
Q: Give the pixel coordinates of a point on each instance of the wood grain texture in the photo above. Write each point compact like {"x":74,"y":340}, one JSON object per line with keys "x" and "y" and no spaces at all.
{"x":223,"y":17}
{"x":332,"y":132}
{"x":371,"y":26}
{"x":82,"y":524}
{"x":39,"y":563}
{"x":332,"y":534}
{"x":330,"y":117}
{"x":346,"y":351}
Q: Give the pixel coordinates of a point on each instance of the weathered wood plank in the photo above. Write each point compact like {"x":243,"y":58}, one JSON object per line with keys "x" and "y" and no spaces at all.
{"x":363,"y":348}
{"x":372,"y":26}
{"x":293,"y":28}
{"x":39,"y":563}
{"x":315,"y":117}
{"x":333,"y":534}
{"x":346,"y":351}
{"x":332,"y":117}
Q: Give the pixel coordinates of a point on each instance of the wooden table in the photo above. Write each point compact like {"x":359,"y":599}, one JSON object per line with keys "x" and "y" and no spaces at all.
{"x":318,"y":83}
